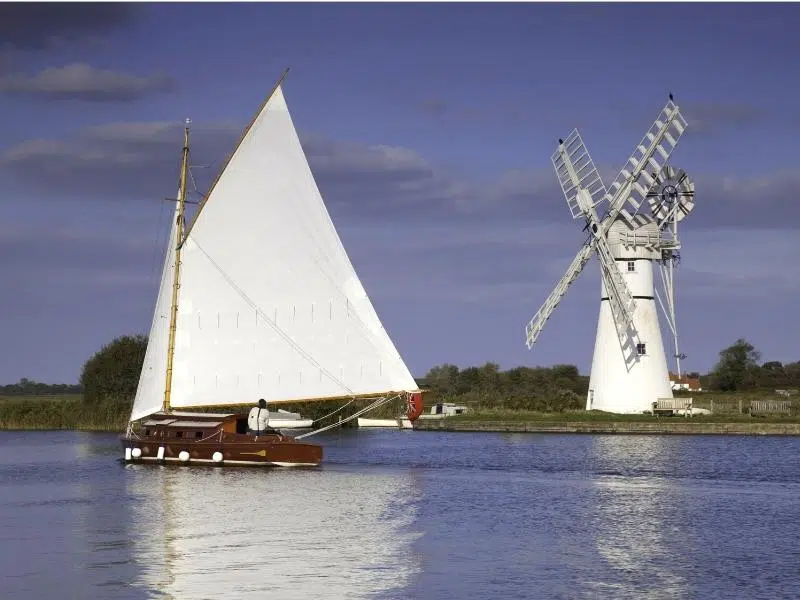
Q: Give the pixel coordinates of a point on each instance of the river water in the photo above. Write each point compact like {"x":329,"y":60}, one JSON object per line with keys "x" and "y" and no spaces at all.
{"x":404,"y":514}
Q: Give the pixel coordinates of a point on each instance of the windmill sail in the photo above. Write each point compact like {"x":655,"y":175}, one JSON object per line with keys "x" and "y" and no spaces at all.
{"x":270,"y":305}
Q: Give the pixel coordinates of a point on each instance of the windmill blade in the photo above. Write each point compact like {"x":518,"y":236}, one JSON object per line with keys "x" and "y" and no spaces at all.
{"x":619,"y":296}
{"x":534,"y":327}
{"x":647,"y":159}
{"x":575,"y":170}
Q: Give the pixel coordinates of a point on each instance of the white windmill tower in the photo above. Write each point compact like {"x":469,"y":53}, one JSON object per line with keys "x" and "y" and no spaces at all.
{"x":629,"y":367}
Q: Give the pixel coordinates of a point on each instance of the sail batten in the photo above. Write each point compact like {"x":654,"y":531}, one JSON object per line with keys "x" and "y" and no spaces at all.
{"x":270,"y":305}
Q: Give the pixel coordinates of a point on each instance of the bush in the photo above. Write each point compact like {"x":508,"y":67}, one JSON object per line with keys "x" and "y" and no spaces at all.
{"x":112,"y":374}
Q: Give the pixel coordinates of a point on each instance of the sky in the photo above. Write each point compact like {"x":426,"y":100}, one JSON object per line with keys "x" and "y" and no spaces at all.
{"x":429,"y":128}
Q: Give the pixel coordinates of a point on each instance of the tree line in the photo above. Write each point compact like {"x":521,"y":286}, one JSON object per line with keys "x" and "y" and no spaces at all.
{"x":28,"y":387}
{"x":561,"y":387}
{"x":111,"y":376}
{"x":740,"y":369}
{"x":545,"y":389}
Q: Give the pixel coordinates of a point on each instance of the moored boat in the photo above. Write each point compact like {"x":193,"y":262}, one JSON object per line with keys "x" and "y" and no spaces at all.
{"x":284,"y":419}
{"x":401,"y":422}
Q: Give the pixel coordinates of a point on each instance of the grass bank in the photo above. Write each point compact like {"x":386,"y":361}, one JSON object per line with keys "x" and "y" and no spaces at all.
{"x":730,"y":417}
{"x":61,"y":412}
{"x":69,"y":412}
{"x":582,"y":416}
{"x":679,"y":426}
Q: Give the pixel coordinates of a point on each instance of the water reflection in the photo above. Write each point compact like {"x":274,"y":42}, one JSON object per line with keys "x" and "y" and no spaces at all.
{"x":63,"y":528}
{"x":100,"y":523}
{"x":635,"y":519}
{"x":240,"y":533}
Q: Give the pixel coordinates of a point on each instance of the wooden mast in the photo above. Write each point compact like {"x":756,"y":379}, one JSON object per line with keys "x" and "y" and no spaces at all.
{"x":173,"y":316}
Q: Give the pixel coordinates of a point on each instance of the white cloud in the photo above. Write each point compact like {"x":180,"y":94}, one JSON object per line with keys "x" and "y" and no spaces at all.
{"x":84,"y":82}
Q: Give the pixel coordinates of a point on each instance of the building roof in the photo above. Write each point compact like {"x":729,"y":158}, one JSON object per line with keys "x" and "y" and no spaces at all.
{"x":691,"y":382}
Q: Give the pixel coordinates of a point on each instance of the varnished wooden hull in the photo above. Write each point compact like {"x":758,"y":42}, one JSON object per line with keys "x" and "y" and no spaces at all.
{"x":235,"y":449}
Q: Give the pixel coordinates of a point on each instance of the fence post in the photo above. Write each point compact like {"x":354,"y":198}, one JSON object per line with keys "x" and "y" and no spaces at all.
{"x":740,"y":406}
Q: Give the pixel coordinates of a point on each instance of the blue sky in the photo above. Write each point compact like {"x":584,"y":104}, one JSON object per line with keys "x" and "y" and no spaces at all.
{"x":429,"y":128}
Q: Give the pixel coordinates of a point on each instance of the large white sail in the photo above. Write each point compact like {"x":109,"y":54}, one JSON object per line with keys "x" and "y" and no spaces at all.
{"x":270,"y":305}
{"x":150,"y":393}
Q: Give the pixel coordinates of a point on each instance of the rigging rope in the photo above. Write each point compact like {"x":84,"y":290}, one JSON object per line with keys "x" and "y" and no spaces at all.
{"x":334,"y":412}
{"x":376,"y":404}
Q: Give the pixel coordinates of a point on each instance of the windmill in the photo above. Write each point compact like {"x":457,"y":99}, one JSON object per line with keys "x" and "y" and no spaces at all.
{"x":629,"y":366}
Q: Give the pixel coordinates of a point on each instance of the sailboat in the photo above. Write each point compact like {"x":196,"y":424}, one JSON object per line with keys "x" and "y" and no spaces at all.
{"x":258,"y":299}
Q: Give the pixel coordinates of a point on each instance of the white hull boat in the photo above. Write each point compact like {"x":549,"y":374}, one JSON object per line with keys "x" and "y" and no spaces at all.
{"x":398,"y":423}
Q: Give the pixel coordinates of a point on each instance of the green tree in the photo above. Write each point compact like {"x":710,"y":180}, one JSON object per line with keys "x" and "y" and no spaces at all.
{"x":792,"y":371}
{"x":737,"y":368}
{"x":556,"y":388}
{"x":112,"y":374}
{"x":441,"y":379}
{"x":489,"y":377}
{"x":773,"y":374}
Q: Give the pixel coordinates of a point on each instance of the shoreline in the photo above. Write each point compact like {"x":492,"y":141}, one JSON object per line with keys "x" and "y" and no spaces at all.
{"x":613,"y":427}
{"x":566,"y":426}
{"x":87,"y":429}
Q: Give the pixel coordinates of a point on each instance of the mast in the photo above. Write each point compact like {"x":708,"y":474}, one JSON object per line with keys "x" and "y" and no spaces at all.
{"x":173,"y":315}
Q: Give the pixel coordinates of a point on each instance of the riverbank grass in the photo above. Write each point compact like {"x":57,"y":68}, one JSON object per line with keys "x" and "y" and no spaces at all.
{"x":70,"y":412}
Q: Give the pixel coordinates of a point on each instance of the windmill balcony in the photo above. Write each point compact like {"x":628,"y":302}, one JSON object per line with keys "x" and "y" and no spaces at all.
{"x":651,"y":241}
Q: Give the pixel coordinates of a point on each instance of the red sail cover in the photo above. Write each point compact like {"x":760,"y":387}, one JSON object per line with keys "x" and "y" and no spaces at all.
{"x":414,"y":406}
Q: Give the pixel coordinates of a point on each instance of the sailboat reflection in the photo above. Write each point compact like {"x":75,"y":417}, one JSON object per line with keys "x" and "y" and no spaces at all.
{"x":224,"y":533}
{"x":634,"y":518}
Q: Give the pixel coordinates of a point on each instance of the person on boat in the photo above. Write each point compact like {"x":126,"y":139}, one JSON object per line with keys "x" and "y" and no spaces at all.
{"x":258,"y":419}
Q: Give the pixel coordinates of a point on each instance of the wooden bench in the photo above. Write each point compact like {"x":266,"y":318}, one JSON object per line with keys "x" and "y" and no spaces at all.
{"x":670,"y":405}
{"x":766,"y":407}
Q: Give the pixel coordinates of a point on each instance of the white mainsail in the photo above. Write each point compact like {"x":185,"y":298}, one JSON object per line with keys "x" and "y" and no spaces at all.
{"x":270,"y":305}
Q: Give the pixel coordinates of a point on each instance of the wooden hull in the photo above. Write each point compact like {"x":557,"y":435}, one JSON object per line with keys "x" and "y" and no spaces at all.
{"x":223,"y":449}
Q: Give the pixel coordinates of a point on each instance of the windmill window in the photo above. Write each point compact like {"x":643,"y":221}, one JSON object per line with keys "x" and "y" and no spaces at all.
{"x":147,"y":432}
{"x":631,"y":266}
{"x":179,"y":434}
{"x":641,"y":350}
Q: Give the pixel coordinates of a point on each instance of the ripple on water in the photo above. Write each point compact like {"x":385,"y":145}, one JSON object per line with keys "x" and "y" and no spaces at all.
{"x":407,"y":515}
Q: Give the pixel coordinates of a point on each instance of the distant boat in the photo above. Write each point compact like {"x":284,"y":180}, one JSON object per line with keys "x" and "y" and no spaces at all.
{"x":438,"y":411}
{"x":258,"y":299}
{"x":442,"y":410}
{"x":283,"y":419}
{"x":398,"y":423}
